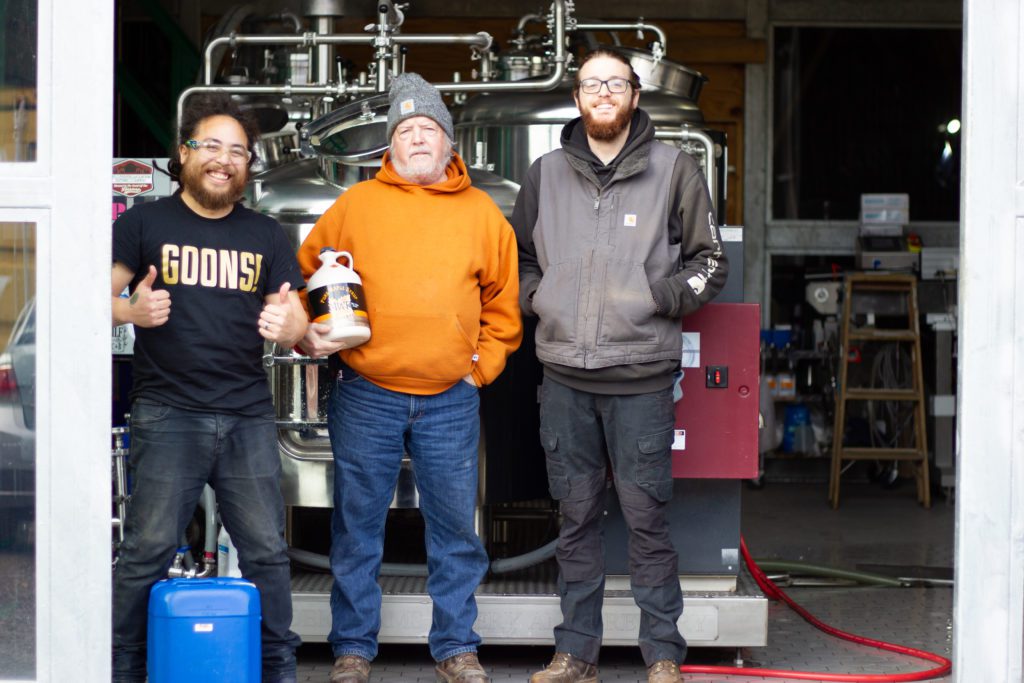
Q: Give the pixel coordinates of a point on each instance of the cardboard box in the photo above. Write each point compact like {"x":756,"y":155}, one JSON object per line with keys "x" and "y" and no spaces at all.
{"x":885,"y":208}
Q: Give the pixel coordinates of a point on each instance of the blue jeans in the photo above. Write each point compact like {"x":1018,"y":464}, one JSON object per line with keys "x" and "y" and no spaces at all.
{"x":370,"y":429}
{"x":174,"y":454}
{"x":578,"y":431}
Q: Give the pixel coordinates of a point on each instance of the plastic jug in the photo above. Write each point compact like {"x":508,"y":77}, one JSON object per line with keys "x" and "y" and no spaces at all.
{"x":336,"y":298}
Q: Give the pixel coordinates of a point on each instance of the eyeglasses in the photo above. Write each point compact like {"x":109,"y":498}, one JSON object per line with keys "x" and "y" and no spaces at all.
{"x":592,"y":86}
{"x":214,"y":148}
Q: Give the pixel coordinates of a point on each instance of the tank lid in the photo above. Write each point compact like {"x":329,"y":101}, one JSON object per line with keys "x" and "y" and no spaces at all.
{"x":352,"y":133}
{"x":662,"y":74}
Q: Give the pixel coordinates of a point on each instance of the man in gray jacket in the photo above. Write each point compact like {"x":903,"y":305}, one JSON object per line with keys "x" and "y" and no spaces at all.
{"x":617,"y":241}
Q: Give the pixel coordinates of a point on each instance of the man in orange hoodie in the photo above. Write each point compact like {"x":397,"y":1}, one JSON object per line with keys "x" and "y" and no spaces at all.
{"x":439,"y":268}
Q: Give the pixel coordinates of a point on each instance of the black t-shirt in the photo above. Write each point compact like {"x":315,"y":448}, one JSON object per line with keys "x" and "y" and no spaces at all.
{"x":208,"y":355}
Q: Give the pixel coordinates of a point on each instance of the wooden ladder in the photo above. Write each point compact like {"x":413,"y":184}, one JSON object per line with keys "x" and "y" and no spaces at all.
{"x":883,"y":285}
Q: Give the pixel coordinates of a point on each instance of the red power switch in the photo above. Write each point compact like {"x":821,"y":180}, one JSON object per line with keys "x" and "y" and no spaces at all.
{"x":717,"y":376}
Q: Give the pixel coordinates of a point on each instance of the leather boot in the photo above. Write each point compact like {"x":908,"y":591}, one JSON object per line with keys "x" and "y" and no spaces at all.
{"x":664,"y":671}
{"x":564,"y":668}
{"x":463,"y":668}
{"x":350,"y":669}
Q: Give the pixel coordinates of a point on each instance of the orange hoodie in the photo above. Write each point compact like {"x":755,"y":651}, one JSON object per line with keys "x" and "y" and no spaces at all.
{"x":440,"y":275}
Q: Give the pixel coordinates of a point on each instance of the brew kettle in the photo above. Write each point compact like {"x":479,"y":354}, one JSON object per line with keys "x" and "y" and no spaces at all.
{"x":336,"y":298}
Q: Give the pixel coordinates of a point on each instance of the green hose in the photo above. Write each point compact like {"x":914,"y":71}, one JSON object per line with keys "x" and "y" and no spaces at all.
{"x":805,"y":569}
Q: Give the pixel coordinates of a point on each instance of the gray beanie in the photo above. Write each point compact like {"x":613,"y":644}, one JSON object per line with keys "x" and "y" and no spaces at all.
{"x":411,"y":96}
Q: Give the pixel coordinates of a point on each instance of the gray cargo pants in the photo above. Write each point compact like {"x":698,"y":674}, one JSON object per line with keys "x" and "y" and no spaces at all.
{"x":580,"y":432}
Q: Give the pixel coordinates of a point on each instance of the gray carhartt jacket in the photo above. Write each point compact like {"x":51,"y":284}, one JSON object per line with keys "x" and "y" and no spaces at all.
{"x":610,"y":267}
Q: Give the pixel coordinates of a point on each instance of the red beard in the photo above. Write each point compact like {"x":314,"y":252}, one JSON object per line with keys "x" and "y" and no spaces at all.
{"x":607,"y":130}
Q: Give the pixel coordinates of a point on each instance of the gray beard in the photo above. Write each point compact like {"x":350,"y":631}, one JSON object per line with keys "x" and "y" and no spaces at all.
{"x":420,"y":175}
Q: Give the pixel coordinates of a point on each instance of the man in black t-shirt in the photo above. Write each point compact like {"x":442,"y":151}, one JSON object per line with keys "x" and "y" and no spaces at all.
{"x":210,"y":281}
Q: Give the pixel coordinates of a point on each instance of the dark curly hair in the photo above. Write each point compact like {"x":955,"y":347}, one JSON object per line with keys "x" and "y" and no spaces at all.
{"x":634,"y":80}
{"x":203,"y":106}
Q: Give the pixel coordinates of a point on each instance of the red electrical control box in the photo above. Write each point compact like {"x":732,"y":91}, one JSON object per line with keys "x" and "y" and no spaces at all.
{"x":717,"y":396}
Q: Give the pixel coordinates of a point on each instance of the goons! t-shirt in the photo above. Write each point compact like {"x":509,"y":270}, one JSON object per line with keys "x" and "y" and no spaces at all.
{"x":208,"y":355}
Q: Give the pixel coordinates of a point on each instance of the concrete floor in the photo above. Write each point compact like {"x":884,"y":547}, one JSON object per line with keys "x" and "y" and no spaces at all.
{"x":782,"y":521}
{"x":790,"y":521}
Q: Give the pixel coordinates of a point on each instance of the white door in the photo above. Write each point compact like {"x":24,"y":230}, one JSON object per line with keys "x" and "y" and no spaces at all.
{"x":56,"y":120}
{"x":988,"y":609}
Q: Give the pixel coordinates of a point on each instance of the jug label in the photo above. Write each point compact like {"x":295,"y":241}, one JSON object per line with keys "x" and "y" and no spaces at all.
{"x":339,"y":303}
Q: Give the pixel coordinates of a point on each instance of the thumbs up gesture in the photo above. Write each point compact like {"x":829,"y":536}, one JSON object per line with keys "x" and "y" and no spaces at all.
{"x":149,"y":307}
{"x":282,"y":319}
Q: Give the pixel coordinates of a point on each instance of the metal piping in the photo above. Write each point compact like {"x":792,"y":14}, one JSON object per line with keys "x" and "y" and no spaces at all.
{"x":180,"y":568}
{"x":292,"y":17}
{"x":482,"y":40}
{"x":304,"y":40}
{"x":685,"y":134}
{"x":341,"y":89}
{"x":614,"y":26}
{"x":548,"y":83}
{"x":382,"y":44}
{"x":208,"y":501}
{"x":324,"y":52}
{"x":527,"y":19}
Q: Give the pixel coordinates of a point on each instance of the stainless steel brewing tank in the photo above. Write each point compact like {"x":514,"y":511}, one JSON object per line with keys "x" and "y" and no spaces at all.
{"x":296,"y":194}
{"x":506,"y":132}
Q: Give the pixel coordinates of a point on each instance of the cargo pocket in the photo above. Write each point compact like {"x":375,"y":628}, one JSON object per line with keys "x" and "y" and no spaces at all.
{"x":558,"y":480}
{"x":654,"y":465}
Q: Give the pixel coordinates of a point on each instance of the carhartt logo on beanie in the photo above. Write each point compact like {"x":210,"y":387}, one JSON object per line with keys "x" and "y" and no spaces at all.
{"x":410,"y":96}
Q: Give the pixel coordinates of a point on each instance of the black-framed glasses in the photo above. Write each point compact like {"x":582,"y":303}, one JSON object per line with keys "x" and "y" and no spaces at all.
{"x":592,"y":86}
{"x":214,"y":148}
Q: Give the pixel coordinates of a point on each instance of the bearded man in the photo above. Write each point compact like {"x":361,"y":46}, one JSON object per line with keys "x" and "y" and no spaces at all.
{"x":438,"y":265}
{"x":201,"y":406}
{"x":617,"y":241}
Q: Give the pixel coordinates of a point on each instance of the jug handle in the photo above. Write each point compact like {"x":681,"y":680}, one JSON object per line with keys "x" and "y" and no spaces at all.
{"x":347,"y":255}
{"x":335,"y":255}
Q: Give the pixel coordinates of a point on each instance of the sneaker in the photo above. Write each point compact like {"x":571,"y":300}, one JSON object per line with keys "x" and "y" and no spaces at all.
{"x":664,"y":671}
{"x":462,"y":668}
{"x":350,"y":669}
{"x":564,"y":668}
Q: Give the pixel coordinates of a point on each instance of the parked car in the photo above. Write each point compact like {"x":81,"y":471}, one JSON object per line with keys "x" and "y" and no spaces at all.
{"x":17,"y":425}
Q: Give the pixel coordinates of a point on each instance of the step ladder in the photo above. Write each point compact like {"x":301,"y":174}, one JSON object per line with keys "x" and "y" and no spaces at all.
{"x":859,"y":287}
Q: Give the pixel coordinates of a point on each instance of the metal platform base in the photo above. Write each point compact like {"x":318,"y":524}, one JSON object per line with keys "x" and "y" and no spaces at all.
{"x":517,"y":612}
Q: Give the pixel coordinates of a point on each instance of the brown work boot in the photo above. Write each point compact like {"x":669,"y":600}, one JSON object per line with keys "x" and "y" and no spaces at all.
{"x":664,"y":671}
{"x":350,"y":669}
{"x":463,"y":668}
{"x":564,"y":668}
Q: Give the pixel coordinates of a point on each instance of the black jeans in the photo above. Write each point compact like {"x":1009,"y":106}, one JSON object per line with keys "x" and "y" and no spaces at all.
{"x":174,"y":454}
{"x":579,"y":431}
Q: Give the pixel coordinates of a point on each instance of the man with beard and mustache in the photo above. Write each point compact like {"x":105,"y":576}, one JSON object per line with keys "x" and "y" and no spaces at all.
{"x":438,"y":266}
{"x":201,"y":407}
{"x":617,"y":241}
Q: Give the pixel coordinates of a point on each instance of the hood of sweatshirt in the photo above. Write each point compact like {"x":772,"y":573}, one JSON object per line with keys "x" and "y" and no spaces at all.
{"x":456,"y":177}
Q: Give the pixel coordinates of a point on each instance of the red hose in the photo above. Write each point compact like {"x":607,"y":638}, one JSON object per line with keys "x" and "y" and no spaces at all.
{"x":775,"y":593}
